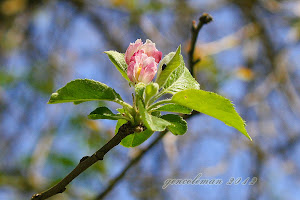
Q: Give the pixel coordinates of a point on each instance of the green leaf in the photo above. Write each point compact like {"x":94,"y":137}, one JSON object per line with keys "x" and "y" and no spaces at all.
{"x":171,"y":66}
{"x":179,"y":80}
{"x":175,"y":77}
{"x":151,"y":122}
{"x":118,"y":60}
{"x":151,"y":90}
{"x":211,"y":104}
{"x":174,"y":108}
{"x":125,"y":113}
{"x":134,"y":139}
{"x":78,"y":102}
{"x":178,"y":124}
{"x":104,"y":113}
{"x":156,"y":113}
{"x":163,"y":61}
{"x":119,"y":124}
{"x":120,"y":110}
{"x":81,"y":90}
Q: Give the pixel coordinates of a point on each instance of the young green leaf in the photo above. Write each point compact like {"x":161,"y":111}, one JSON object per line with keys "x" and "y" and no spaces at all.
{"x":126,"y":113}
{"x":178,"y":124}
{"x":120,"y":110}
{"x":156,"y":113}
{"x":175,"y":77}
{"x":151,"y":122}
{"x":164,"y":63}
{"x":211,"y":104}
{"x":81,"y":90}
{"x":119,"y":61}
{"x":180,"y":79}
{"x":171,"y":66}
{"x":104,"y":113}
{"x":174,"y":108}
{"x":134,"y":139}
{"x":151,"y":90}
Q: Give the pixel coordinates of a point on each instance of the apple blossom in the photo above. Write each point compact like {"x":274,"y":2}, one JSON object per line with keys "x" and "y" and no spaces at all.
{"x":142,"y":60}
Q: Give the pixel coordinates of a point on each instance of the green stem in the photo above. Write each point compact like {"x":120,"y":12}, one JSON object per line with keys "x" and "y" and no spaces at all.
{"x":128,"y":118}
{"x":129,"y":110}
{"x":124,"y":104}
{"x":154,"y":98}
{"x":159,"y":103}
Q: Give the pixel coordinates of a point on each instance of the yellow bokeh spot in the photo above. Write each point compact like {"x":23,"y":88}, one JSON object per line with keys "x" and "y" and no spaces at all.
{"x":92,"y":125}
{"x":245,"y":74}
{"x":11,"y":7}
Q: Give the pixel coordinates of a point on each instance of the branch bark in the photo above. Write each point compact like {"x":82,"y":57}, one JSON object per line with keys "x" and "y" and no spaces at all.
{"x":87,"y":161}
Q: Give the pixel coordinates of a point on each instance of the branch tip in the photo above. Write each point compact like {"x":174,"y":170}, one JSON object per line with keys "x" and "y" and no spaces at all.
{"x":205,"y":18}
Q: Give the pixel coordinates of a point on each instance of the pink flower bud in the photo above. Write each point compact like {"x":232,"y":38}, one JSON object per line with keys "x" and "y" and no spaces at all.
{"x":133,"y":47}
{"x":142,"y":60}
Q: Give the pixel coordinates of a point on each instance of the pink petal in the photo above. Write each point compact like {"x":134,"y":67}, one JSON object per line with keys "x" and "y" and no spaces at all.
{"x":148,"y":61}
{"x":148,"y":71}
{"x":150,"y":49}
{"x":157,"y":56}
{"x":133,"y":47}
{"x":136,"y":62}
{"x":131,"y":71}
{"x":137,"y":56}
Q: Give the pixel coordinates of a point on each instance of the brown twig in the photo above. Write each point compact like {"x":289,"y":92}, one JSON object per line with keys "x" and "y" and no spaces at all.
{"x":87,"y":161}
{"x":204,"y":19}
{"x":132,"y":162}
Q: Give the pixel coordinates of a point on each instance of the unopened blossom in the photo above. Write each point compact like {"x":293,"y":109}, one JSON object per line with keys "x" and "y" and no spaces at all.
{"x":142,"y":60}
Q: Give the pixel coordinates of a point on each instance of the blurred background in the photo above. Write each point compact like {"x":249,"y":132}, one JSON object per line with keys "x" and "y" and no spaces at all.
{"x":249,"y":54}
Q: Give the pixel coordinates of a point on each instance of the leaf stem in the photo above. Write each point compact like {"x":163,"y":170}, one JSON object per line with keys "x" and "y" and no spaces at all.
{"x":129,"y":110}
{"x":127,"y":106}
{"x":159,"y":103}
{"x":155,"y":97}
